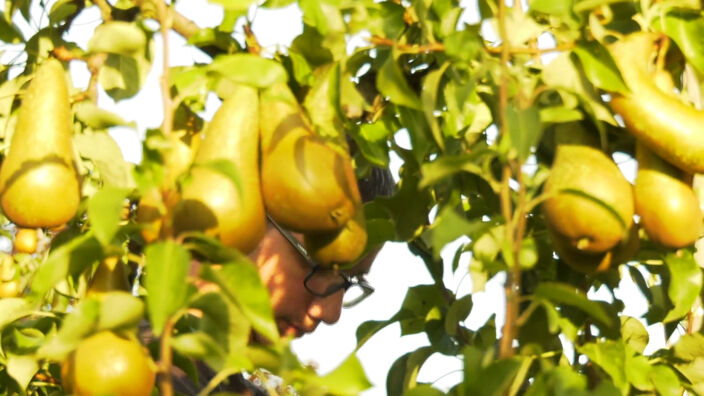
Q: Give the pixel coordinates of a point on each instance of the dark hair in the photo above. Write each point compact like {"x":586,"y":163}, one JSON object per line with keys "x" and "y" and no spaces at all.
{"x":379,"y":182}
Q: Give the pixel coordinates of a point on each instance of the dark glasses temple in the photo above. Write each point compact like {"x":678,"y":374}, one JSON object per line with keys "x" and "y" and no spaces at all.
{"x":292,"y":240}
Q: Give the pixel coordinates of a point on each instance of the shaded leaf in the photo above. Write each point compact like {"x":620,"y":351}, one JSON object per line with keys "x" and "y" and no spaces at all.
{"x":560,"y":293}
{"x":686,"y":29}
{"x":403,"y":372}
{"x":392,"y":83}
{"x":241,"y":283}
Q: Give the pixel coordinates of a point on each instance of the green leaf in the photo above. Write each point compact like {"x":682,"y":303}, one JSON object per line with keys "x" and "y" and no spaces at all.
{"x":639,"y":371}
{"x":463,"y":45}
{"x":167,"y":266}
{"x":423,"y":390}
{"x":689,"y":347}
{"x":450,"y":225}
{"x":367,"y":329}
{"x":12,"y":309}
{"x":77,"y":325}
{"x":71,"y":258}
{"x":122,"y":76}
{"x":392,"y":83}
{"x":458,"y":312}
{"x":553,"y":7}
{"x":104,"y":212}
{"x":634,"y":334}
{"x":347,"y":379}
{"x":96,"y":118}
{"x":560,"y":293}
{"x":686,"y":29}
{"x":665,"y":381}
{"x":694,"y":372}
{"x":241,"y":283}
{"x":234,"y":5}
{"x":104,"y":152}
{"x":9,"y":33}
{"x":611,"y":357}
{"x":117,"y":37}
{"x":322,"y":103}
{"x":599,"y":66}
{"x":429,"y":98}
{"x":524,"y":131}
{"x":248,"y":69}
{"x":119,"y":309}
{"x":560,"y":380}
{"x":22,"y":369}
{"x":448,"y":165}
{"x":404,"y":371}
{"x":197,"y":345}
{"x":685,"y":283}
{"x":419,"y":301}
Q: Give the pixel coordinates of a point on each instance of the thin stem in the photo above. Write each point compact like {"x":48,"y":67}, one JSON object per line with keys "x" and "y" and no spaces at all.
{"x":165,"y":19}
{"x":407,"y":48}
{"x":105,"y":9}
{"x":165,"y":359}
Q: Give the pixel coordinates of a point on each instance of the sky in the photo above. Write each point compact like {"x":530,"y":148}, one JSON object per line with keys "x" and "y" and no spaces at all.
{"x":395,"y":269}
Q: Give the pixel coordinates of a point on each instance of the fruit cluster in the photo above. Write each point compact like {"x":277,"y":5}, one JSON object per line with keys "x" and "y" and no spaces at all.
{"x":301,"y":181}
{"x":590,"y":207}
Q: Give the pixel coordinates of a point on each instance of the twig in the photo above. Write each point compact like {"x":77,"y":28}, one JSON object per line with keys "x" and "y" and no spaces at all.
{"x":530,"y":50}
{"x":105,"y":9}
{"x":512,"y":286}
{"x":407,"y":48}
{"x":165,"y":26}
{"x":165,"y":357}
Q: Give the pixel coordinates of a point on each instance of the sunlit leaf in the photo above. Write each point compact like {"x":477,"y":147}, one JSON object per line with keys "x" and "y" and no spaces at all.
{"x":104,"y":211}
{"x":248,"y":69}
{"x":686,"y":29}
{"x":600,"y":67}
{"x":611,"y":357}
{"x":685,"y":283}
{"x":347,"y":379}
{"x":22,"y":368}
{"x":167,"y":268}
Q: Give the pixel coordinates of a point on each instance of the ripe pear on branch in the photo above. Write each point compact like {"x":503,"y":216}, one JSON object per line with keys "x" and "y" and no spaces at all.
{"x":668,"y":207}
{"x":590,"y":202}
{"x":658,"y":119}
{"x":308,"y":185}
{"x":39,"y":185}
{"x":223,"y":196}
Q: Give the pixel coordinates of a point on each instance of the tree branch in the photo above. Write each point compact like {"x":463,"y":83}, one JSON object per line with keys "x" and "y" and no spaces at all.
{"x":165,"y":20}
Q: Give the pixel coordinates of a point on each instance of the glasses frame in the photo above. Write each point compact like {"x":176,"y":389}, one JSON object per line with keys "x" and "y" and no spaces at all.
{"x":347,"y":281}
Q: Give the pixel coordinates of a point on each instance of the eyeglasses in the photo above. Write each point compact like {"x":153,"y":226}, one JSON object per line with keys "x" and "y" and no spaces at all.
{"x":324,"y":282}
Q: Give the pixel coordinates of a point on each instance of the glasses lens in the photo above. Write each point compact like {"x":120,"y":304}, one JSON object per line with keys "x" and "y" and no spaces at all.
{"x":354,"y":295}
{"x":324,"y":282}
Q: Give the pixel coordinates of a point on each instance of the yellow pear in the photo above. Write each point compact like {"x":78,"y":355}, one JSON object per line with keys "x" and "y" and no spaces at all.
{"x":590,"y":201}
{"x":211,"y":201}
{"x":39,"y":186}
{"x":339,"y":247}
{"x":668,"y":208}
{"x":308,"y":185}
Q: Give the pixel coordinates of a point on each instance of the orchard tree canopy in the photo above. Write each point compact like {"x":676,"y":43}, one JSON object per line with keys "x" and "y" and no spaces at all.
{"x":514,"y":120}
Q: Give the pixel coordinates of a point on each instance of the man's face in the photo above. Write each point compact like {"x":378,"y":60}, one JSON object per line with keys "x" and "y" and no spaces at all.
{"x":283,"y":270}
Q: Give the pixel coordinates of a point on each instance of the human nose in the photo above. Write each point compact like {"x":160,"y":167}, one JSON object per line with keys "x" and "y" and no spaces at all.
{"x":326,"y":309}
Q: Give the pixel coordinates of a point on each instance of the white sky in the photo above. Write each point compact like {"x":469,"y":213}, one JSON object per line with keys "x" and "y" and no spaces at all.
{"x":395,"y":269}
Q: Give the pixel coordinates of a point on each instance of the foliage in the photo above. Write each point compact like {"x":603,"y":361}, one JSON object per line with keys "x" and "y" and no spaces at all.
{"x":485,"y":105}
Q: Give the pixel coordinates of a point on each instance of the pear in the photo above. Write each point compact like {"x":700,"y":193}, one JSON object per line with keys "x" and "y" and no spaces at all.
{"x":340,"y":247}
{"x":211,"y":201}
{"x":668,"y":208}
{"x":308,"y":185}
{"x":590,"y":201}
{"x":594,"y":263}
{"x":109,"y":276}
{"x":656,"y":117}
{"x":39,"y":185}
